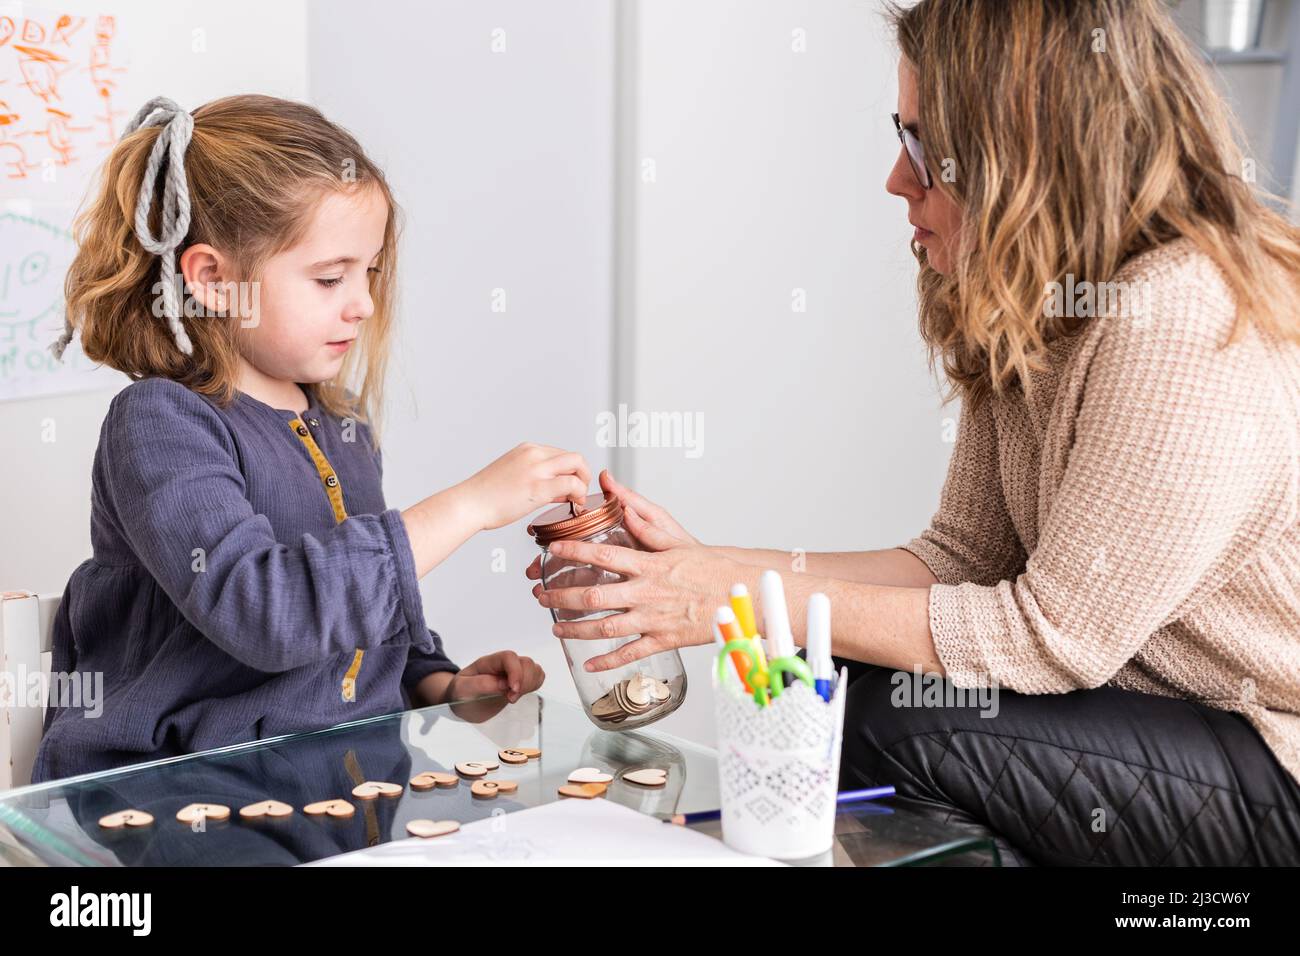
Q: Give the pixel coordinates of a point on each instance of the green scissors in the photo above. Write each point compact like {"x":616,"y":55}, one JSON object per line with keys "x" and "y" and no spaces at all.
{"x":760,"y":679}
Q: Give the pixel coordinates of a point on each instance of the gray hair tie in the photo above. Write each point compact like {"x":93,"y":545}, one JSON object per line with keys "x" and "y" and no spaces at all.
{"x":174,"y":137}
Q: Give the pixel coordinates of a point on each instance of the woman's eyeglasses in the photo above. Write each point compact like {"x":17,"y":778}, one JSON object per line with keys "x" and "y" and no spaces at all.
{"x":915,"y":154}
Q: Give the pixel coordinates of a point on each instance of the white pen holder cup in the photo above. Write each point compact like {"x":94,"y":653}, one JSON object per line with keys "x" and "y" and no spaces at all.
{"x":779,"y":768}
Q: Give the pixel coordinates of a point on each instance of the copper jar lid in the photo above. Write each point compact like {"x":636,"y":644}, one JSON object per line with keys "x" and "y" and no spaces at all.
{"x":560,"y":523}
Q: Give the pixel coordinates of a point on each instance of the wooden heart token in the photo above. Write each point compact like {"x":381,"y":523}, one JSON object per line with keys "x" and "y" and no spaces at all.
{"x":532,"y":753}
{"x":334,"y":808}
{"x":376,"y":788}
{"x":513,"y":756}
{"x":267,"y":808}
{"x":647,"y":777}
{"x":476,"y":768}
{"x":490,"y":788}
{"x":126,"y":818}
{"x":589,"y":775}
{"x":431,"y":828}
{"x":432,"y":778}
{"x":583,"y":790}
{"x":202,"y":811}
{"x":638,"y":692}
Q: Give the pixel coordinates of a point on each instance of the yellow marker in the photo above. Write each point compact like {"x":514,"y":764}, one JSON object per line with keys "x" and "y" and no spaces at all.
{"x":743,"y":605}
{"x":744,"y":608}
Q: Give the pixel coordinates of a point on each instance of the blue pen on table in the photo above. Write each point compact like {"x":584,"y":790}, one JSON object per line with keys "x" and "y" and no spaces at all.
{"x":842,"y":798}
{"x":819,"y":644}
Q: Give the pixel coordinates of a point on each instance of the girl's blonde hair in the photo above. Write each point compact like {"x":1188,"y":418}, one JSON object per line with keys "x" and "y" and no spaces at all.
{"x":255,"y":167}
{"x":1083,"y":132}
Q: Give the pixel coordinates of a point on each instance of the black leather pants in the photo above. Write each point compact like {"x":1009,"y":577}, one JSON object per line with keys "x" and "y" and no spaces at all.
{"x":1093,"y":777}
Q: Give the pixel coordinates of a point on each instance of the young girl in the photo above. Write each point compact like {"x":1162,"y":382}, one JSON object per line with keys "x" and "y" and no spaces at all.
{"x":248,"y":579}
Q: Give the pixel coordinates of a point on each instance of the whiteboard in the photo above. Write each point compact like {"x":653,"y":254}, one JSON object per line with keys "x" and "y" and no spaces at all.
{"x":61,"y":111}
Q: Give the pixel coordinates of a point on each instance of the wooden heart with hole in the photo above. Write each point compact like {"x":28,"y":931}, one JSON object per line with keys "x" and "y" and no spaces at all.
{"x":376,"y":788}
{"x":202,"y":811}
{"x":333,"y":808}
{"x":432,"y":778}
{"x":126,"y":818}
{"x":267,"y":808}
{"x":490,"y":788}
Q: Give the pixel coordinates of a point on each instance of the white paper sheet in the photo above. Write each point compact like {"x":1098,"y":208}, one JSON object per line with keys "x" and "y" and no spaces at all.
{"x":564,"y":832}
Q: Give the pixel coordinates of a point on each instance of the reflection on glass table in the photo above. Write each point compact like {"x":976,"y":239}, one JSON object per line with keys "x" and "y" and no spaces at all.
{"x":57,"y":823}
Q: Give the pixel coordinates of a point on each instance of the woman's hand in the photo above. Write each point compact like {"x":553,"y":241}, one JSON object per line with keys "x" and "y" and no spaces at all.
{"x":504,"y":672}
{"x":649,"y":523}
{"x":524,"y":479}
{"x":668,"y":597}
{"x":653,"y":527}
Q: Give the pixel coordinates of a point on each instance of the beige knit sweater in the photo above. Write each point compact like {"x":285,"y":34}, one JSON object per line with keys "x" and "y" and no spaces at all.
{"x":1134,"y":522}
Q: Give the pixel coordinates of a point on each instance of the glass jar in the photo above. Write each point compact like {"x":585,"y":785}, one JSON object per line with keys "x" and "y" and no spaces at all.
{"x":635,"y":694}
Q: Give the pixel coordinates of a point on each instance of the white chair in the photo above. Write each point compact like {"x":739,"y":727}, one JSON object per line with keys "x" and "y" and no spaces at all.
{"x":26,"y":628}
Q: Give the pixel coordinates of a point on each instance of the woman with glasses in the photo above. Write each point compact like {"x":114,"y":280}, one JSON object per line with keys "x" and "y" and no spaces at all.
{"x":1115,"y":557}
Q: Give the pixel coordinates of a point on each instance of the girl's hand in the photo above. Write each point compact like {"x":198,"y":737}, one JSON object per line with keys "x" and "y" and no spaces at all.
{"x":524,"y":479}
{"x":651,"y":525}
{"x":668,"y":597}
{"x":504,"y":672}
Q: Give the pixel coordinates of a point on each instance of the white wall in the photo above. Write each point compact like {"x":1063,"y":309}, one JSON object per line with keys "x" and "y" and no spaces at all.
{"x":822,"y":429}
{"x":502,"y":163}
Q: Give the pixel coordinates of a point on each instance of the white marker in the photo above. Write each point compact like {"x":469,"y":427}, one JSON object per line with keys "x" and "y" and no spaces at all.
{"x":819,"y":644}
{"x":776,"y":619}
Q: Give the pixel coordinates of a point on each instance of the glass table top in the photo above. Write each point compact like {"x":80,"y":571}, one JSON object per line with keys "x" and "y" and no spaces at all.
{"x":57,"y":823}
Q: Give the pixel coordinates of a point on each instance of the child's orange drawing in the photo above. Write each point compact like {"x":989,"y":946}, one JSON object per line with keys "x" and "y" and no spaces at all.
{"x":57,"y":87}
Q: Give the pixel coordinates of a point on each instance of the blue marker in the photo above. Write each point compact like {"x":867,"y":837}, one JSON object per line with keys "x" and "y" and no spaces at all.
{"x":819,"y":644}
